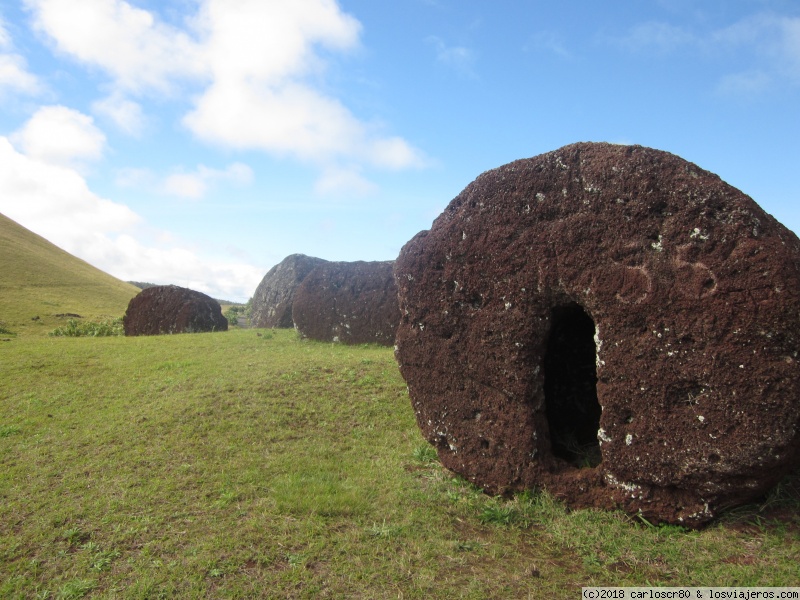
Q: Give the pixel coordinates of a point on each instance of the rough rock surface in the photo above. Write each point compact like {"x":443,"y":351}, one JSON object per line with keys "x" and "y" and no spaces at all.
{"x":272,"y":300}
{"x":348,"y":302}
{"x":172,"y":309}
{"x":611,"y":304}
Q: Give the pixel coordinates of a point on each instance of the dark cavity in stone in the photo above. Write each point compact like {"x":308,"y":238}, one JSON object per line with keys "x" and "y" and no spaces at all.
{"x":570,"y":387}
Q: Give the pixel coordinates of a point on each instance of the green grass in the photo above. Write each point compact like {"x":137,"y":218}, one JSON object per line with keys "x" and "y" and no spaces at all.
{"x":39,"y":281}
{"x":253,"y":464}
{"x":75,"y":328}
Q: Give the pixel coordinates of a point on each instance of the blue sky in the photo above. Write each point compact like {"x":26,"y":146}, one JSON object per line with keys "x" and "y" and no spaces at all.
{"x":199,"y":142}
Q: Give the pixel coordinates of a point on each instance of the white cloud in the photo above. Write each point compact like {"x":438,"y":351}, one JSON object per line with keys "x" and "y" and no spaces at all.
{"x":295,"y":120}
{"x":339,"y":181}
{"x":746,"y":32}
{"x":394,"y":153}
{"x":791,"y":39}
{"x":124,"y":113}
{"x":260,"y":54}
{"x":5,"y":39}
{"x":776,"y":39}
{"x":195,"y":185}
{"x":13,"y":69}
{"x":272,"y":41}
{"x":292,"y":119}
{"x":459,"y":58}
{"x":253,"y":61}
{"x":745,"y":83}
{"x":186,"y":185}
{"x":191,"y":185}
{"x":55,"y":202}
{"x":133,"y":261}
{"x":131,"y":177}
{"x":138,"y":52}
{"x":13,"y":75}
{"x":60,"y":136}
{"x":659,"y":36}
{"x":549,"y":41}
{"x":766,"y":43}
{"x":56,"y":199}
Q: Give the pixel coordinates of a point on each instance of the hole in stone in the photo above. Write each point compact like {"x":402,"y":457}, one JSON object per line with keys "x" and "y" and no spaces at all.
{"x":570,"y":387}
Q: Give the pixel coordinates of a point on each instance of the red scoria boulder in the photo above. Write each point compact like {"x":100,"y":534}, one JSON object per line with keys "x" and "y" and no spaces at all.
{"x":611,"y":323}
{"x":172,"y":309}
{"x":274,"y":296}
{"x":348,"y":302}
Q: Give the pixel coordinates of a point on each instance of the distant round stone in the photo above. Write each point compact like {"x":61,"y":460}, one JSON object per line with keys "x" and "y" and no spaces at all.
{"x":348,"y":302}
{"x":609,"y":322}
{"x":172,"y":309}
{"x":273,"y":298}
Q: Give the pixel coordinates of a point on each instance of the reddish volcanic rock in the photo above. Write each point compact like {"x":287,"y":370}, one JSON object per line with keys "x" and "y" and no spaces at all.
{"x":349,"y":302}
{"x":273,"y":298}
{"x":609,"y":307}
{"x":172,"y":309}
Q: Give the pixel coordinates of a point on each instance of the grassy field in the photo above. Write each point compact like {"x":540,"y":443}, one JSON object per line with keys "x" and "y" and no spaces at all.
{"x":39,"y":281}
{"x":253,"y":464}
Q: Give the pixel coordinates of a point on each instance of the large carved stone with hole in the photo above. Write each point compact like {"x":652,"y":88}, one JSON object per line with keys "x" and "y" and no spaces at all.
{"x":273,"y":298}
{"x":611,"y":323}
{"x":348,"y":302}
{"x":172,"y":309}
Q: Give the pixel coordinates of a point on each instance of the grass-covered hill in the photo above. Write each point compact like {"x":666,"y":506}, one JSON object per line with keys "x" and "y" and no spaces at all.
{"x":38,"y":279}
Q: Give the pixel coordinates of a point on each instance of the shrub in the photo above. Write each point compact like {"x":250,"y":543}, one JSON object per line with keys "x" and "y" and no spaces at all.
{"x":498,"y":515}
{"x":232,"y":314}
{"x":74,"y":328}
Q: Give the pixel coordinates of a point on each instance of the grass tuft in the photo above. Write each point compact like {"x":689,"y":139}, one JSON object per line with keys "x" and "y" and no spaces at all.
{"x":76,"y":588}
{"x":384,"y":531}
{"x":74,"y":536}
{"x":425,"y":454}
{"x":498,"y":515}
{"x":7,"y":430}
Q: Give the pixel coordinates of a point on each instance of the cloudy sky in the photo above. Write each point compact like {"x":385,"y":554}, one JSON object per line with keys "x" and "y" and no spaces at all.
{"x":199,"y":142}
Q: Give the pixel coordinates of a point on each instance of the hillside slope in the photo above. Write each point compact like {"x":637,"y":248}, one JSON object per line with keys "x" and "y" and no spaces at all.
{"x":38,"y":279}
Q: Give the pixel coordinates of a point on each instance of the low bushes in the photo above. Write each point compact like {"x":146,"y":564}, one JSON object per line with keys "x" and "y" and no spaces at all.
{"x":75,"y":328}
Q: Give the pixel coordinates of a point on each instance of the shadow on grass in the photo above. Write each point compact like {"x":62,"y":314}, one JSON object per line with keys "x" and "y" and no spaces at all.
{"x":779,"y":508}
